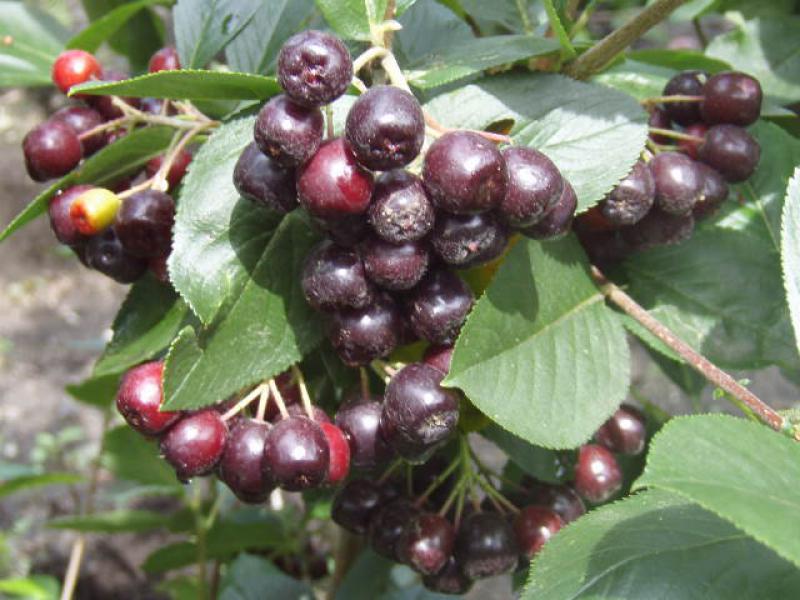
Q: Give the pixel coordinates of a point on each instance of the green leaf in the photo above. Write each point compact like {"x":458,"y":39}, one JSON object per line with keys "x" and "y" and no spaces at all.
{"x":218,"y":236}
{"x":592,"y":133}
{"x":475,"y":55}
{"x":790,"y":251}
{"x":113,"y":522}
{"x":638,"y":79}
{"x":351,"y":19}
{"x":110,"y":164}
{"x":542,"y":463}
{"x":541,"y":354}
{"x":96,"y":391}
{"x":129,"y":456}
{"x":103,"y":28}
{"x":567,"y":50}
{"x":679,"y":60}
{"x":146,"y":323}
{"x":204,"y":27}
{"x":31,"y":41}
{"x":186,"y":84}
{"x":429,"y":29}
{"x":28,"y":482}
{"x":180,"y":588}
{"x":254,"y":578}
{"x":373,"y":577}
{"x":268,"y":327}
{"x":35,"y":587}
{"x":657,"y":545}
{"x":742,"y":471}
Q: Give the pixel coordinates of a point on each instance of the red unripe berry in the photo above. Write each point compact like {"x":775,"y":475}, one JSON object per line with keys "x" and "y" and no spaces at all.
{"x":73,"y":67}
{"x":166,"y":59}
{"x":339,"y":453}
{"x":140,"y":396}
{"x":691,"y":147}
{"x":597,"y":474}
{"x":533,"y":526}
{"x":177,"y":169}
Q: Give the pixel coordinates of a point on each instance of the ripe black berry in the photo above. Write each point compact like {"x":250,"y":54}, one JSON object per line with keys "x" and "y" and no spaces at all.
{"x":464,"y":173}
{"x":73,"y":67}
{"x":144,"y":223}
{"x":354,"y":505}
{"x":82,"y":119}
{"x":240,"y":465}
{"x":533,"y":527}
{"x":260,"y":179}
{"x":485,"y":546}
{"x":534,"y":186}
{"x":387,"y":525}
{"x":394,"y":266}
{"x":385,"y":128}
{"x":439,"y":357}
{"x":166,"y":59}
{"x":659,"y":228}
{"x":438,"y":306}
{"x":288,"y":132}
{"x":731,"y":97}
{"x":360,"y":421}
{"x":314,"y":68}
{"x":558,"y":219}
{"x":731,"y":151}
{"x":715,"y":192}
{"x":334,"y":278}
{"x":177,"y":169}
{"x":140,"y":396}
{"x":360,"y":335}
{"x":631,"y":199}
{"x":51,"y":150}
{"x":297,"y":410}
{"x":347,"y":231}
{"x":597,"y":474}
{"x":560,"y":498}
{"x":60,"y":220}
{"x":450,"y":580}
{"x":194,"y":445}
{"x":104,"y":253}
{"x":296,"y":454}
{"x":468,"y":240}
{"x":339,"y":451}
{"x":427,"y":543}
{"x":332,"y":184}
{"x":624,"y":432}
{"x":400,"y":210}
{"x":686,"y":83}
{"x":678,"y":182}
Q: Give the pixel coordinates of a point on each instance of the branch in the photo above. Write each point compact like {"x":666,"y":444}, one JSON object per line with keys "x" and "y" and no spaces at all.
{"x":695,"y":360}
{"x":615,"y":42}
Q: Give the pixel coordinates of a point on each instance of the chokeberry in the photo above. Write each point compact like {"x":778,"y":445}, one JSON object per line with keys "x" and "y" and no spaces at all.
{"x":659,"y":228}
{"x":288,"y":132}
{"x":731,"y":97}
{"x":597,"y":474}
{"x":427,"y":543}
{"x":260,"y":179}
{"x":51,"y":149}
{"x":394,"y":266}
{"x":334,"y":278}
{"x":82,"y":119}
{"x":659,"y":120}
{"x":685,"y":83}
{"x":438,"y":306}
{"x":166,"y":59}
{"x":631,"y":199}
{"x":354,"y":505}
{"x":557,"y":221}
{"x":347,"y":231}
{"x":60,"y":221}
{"x":691,"y":147}
{"x":450,"y":580}
{"x":104,"y":253}
{"x":144,"y":223}
{"x":385,"y":128}
{"x":533,"y":527}
{"x":73,"y":67}
{"x":140,"y":396}
{"x":400,"y":210}
{"x":468,"y":240}
{"x":105,"y":104}
{"x":439,"y":357}
{"x":339,"y":451}
{"x":240,"y":464}
{"x":715,"y":192}
{"x":332,"y":184}
{"x":194,"y":445}
{"x":485,"y":546}
{"x":360,"y":421}
{"x":387,"y":525}
{"x":464,"y":173}
{"x":561,"y":498}
{"x":678,"y":182}
{"x":94,"y":210}
{"x":314,"y":68}
{"x":297,"y":410}
{"x":177,"y":169}
{"x":730,"y":151}
{"x":360,"y":335}
{"x":624,"y":432}
{"x":296,"y":454}
{"x":534,"y":186}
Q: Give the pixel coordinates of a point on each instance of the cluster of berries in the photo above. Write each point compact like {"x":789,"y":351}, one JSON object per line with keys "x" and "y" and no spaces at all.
{"x":113,"y":232}
{"x":660,"y":200}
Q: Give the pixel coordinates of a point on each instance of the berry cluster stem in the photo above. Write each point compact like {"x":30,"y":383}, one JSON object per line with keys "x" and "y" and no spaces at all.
{"x":244,"y":402}
{"x":676,"y":135}
{"x":667,"y":99}
{"x":304,"y":395}
{"x":276,"y":394}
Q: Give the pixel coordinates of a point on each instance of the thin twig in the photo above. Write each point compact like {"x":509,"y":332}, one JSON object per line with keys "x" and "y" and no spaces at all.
{"x":675,"y":134}
{"x":276,"y":394}
{"x":263,"y":399}
{"x":304,"y":395}
{"x":243,"y":403}
{"x":671,"y":98}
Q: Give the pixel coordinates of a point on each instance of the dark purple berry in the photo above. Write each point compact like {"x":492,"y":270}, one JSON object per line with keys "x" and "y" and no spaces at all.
{"x":360,"y":421}
{"x":347,"y":231}
{"x":314,"y":68}
{"x":400,"y":210}
{"x":296,"y":454}
{"x":260,"y":179}
{"x":60,"y":221}
{"x":597,"y":474}
{"x":678,"y":182}
{"x":288,"y":132}
{"x":450,"y":580}
{"x":387,"y":526}
{"x":360,"y":335}
{"x":485,"y":546}
{"x":334,"y":278}
{"x":659,"y":228}
{"x":534,"y":186}
{"x":659,"y":120}
{"x":557,"y":221}
{"x":194,"y":445}
{"x":715,"y":192}
{"x":468,"y":240}
{"x":104,"y":253}
{"x":297,"y":410}
{"x":731,"y":97}
{"x":140,"y":396}
{"x":624,"y":432}
{"x":51,"y":150}
{"x":731,"y":151}
{"x":427,"y":543}
{"x":631,"y":199}
{"x":438,"y":306}
{"x":144,"y":223}
{"x":354,"y":505}
{"x":691,"y":147}
{"x":533,"y":527}
{"x":394,"y":267}
{"x":561,"y":498}
{"x":240,"y":465}
{"x":686,"y":83}
{"x":439,"y":357}
{"x":82,"y":119}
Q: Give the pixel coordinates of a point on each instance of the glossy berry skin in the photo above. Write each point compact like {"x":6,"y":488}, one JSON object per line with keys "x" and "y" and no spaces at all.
{"x":597,"y":474}
{"x":385,"y":128}
{"x":314,"y":68}
{"x":334,"y":278}
{"x":731,"y":151}
{"x":104,"y":253}
{"x":485,"y":546}
{"x":533,"y":527}
{"x":394,"y":266}
{"x":339,"y":451}
{"x":468,"y":240}
{"x":51,"y":149}
{"x":438,"y":307}
{"x":297,"y":410}
{"x":678,"y":182}
{"x":560,"y":498}
{"x":715,"y":192}
{"x":177,"y":170}
{"x":731,"y":97}
{"x":73,"y":67}
{"x":624,"y":432}
{"x":691,"y":147}
{"x":388,"y":524}
{"x":194,"y":445}
{"x":534,"y":186}
{"x":464,"y":173}
{"x":240,"y":464}
{"x":631,"y":199}
{"x":104,"y":104}
{"x":354,"y":505}
{"x":450,"y":580}
{"x":81,"y":119}
{"x":685,"y":83}
{"x":400,"y":210}
{"x":332,"y":184}
{"x":296,"y":454}
{"x":166,"y":59}
{"x":659,"y":228}
{"x":360,"y":422}
{"x":140,"y":396}
{"x":659,"y":120}
{"x":557,"y":221}
{"x":261,"y":180}
{"x":417,"y":409}
{"x":60,"y":220}
{"x":427,"y":543}
{"x":288,"y":132}
{"x":360,"y":335}
{"x":439,"y":357}
{"x":144,"y":223}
